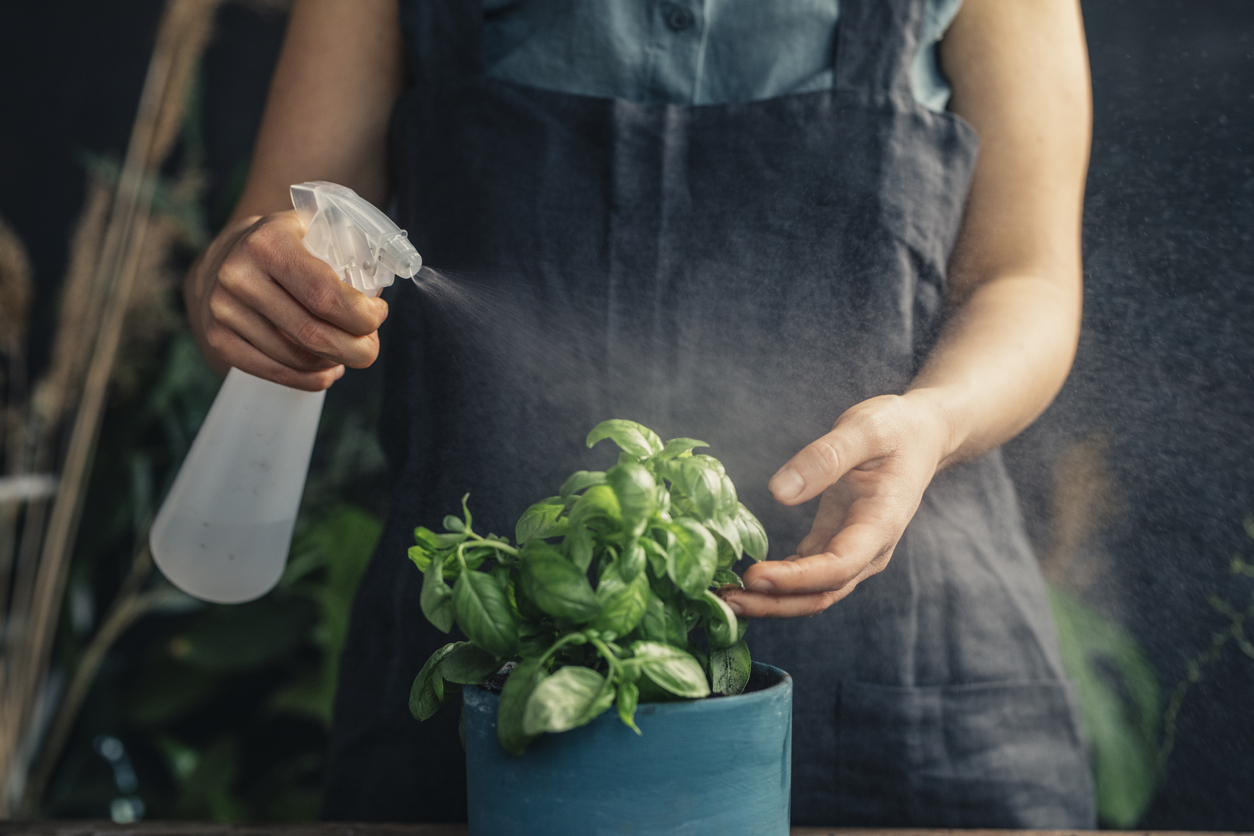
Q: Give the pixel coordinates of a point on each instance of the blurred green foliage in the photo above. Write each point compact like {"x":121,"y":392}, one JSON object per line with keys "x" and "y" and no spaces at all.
{"x":1120,"y":699}
{"x":1130,"y":732}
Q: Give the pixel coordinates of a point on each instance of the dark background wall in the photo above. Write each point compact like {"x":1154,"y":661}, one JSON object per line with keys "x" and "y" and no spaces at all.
{"x":1164,"y":371}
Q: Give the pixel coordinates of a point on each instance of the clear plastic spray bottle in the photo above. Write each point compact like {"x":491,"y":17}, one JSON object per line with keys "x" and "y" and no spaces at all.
{"x":224,"y":530}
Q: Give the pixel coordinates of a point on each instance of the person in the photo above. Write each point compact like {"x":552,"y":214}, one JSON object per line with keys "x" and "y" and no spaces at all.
{"x":748,"y":223}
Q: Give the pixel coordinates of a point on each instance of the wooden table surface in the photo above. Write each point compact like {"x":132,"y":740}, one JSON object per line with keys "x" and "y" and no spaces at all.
{"x":187,"y":828}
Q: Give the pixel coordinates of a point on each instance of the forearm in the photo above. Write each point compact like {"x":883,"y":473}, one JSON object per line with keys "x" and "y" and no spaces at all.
{"x":1002,"y":356}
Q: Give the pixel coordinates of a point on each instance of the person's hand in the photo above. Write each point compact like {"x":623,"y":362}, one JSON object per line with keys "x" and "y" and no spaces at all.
{"x":871,"y":470}
{"x":260,"y":302}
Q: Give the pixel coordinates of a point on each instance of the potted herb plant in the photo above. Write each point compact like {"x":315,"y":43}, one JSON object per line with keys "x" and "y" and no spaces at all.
{"x":607,"y":598}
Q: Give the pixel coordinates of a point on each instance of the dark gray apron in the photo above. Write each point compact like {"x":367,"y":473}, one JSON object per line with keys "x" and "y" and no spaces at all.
{"x":739,"y":273}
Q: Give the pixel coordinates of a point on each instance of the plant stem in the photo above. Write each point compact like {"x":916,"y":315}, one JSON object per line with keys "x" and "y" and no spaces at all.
{"x":564,"y":640}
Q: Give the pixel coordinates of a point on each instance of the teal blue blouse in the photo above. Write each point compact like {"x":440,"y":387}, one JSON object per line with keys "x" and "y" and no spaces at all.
{"x":685,"y":51}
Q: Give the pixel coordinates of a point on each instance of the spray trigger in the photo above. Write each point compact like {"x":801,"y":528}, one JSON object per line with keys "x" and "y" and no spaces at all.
{"x":361,"y":243}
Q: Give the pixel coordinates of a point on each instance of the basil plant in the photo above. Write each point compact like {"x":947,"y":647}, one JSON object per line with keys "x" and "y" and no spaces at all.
{"x":598,"y":600}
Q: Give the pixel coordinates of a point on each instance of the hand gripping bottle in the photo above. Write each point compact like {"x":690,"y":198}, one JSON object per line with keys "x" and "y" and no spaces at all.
{"x":224,"y":530}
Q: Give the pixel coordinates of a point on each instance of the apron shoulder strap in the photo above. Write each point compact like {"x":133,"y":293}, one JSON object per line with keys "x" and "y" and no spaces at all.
{"x":877,"y":41}
{"x":443,"y":40}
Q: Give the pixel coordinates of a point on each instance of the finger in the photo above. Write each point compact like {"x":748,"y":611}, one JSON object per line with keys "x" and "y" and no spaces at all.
{"x":262,"y":334}
{"x":855,"y":547}
{"x":275,"y":245}
{"x":241,"y":354}
{"x":257,"y":290}
{"x":819,"y":465}
{"x":762,"y":605}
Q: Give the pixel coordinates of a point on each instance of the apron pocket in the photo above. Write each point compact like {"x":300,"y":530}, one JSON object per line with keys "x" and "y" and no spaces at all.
{"x":999,"y":755}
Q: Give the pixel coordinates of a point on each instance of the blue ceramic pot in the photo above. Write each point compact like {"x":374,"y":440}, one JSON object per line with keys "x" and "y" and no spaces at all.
{"x":720,"y":766}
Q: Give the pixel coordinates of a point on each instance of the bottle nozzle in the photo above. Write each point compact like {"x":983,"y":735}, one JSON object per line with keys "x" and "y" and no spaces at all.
{"x":399,"y":256}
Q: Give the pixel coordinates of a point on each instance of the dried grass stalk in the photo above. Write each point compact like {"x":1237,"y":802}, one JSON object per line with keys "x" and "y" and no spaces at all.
{"x":15,"y":296}
{"x":181,"y":38}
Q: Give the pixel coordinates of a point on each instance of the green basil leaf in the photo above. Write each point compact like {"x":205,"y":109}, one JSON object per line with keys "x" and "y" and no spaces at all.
{"x":634,"y":439}
{"x":599,"y":502}
{"x":622,"y":601}
{"x":436,"y":542}
{"x":540,"y":521}
{"x":720,"y":622}
{"x":655,"y":553}
{"x":652,"y":625}
{"x":726,"y":577}
{"x":729,"y":668}
{"x":557,"y":585}
{"x":628,"y":696}
{"x":452,"y":523}
{"x":636,"y":490}
{"x":727,"y":501}
{"x":672,"y":669}
{"x":475,"y":557}
{"x":428,"y":692}
{"x":468,"y":664}
{"x":421,"y":556}
{"x":581,"y":480}
{"x":703,"y":658}
{"x":677,"y":626}
{"x":695,"y":480}
{"x":567,"y":699}
{"x":693,"y":557}
{"x":436,"y":599}
{"x":578,"y":546}
{"x":711,"y":462}
{"x":677,"y":447}
{"x":484,"y":614}
{"x":517,"y":691}
{"x":632,"y":561}
{"x":534,"y":639}
{"x":752,"y":534}
{"x":466,"y":511}
{"x":729,"y":547}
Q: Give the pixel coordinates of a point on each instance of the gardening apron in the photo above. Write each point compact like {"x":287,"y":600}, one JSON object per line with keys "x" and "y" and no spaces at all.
{"x":738,"y":273}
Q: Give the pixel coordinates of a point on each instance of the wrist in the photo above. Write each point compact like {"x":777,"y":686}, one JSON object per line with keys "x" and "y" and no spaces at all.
{"x":948,"y":433}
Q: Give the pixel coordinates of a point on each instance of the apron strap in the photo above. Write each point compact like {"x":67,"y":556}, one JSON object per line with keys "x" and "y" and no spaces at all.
{"x":877,"y":41}
{"x":443,"y":40}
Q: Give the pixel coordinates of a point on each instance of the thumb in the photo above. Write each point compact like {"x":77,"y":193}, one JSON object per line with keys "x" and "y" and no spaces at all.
{"x":822,"y":463}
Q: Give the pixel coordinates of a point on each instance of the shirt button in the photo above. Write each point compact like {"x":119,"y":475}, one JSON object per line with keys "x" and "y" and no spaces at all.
{"x":677,"y":17}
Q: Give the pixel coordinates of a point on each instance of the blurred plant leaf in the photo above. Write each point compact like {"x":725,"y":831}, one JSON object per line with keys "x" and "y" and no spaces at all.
{"x":240,"y":637}
{"x":341,"y":543}
{"x":165,"y":691}
{"x":206,"y":779}
{"x":1121,"y":701}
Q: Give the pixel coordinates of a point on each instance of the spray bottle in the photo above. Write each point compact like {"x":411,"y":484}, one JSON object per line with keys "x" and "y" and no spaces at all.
{"x":224,"y":530}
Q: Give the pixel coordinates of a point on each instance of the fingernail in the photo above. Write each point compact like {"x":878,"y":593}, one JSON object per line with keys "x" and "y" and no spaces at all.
{"x":760,"y":585}
{"x":787,"y":484}
{"x":735,"y":607}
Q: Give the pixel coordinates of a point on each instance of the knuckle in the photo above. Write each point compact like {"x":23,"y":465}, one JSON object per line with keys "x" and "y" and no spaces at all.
{"x":260,"y":241}
{"x":311,"y":335}
{"x":825,"y":456}
{"x":322,"y":299}
{"x":822,"y":602}
{"x":878,"y":429}
{"x":231,"y":273}
{"x":216,"y":337}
